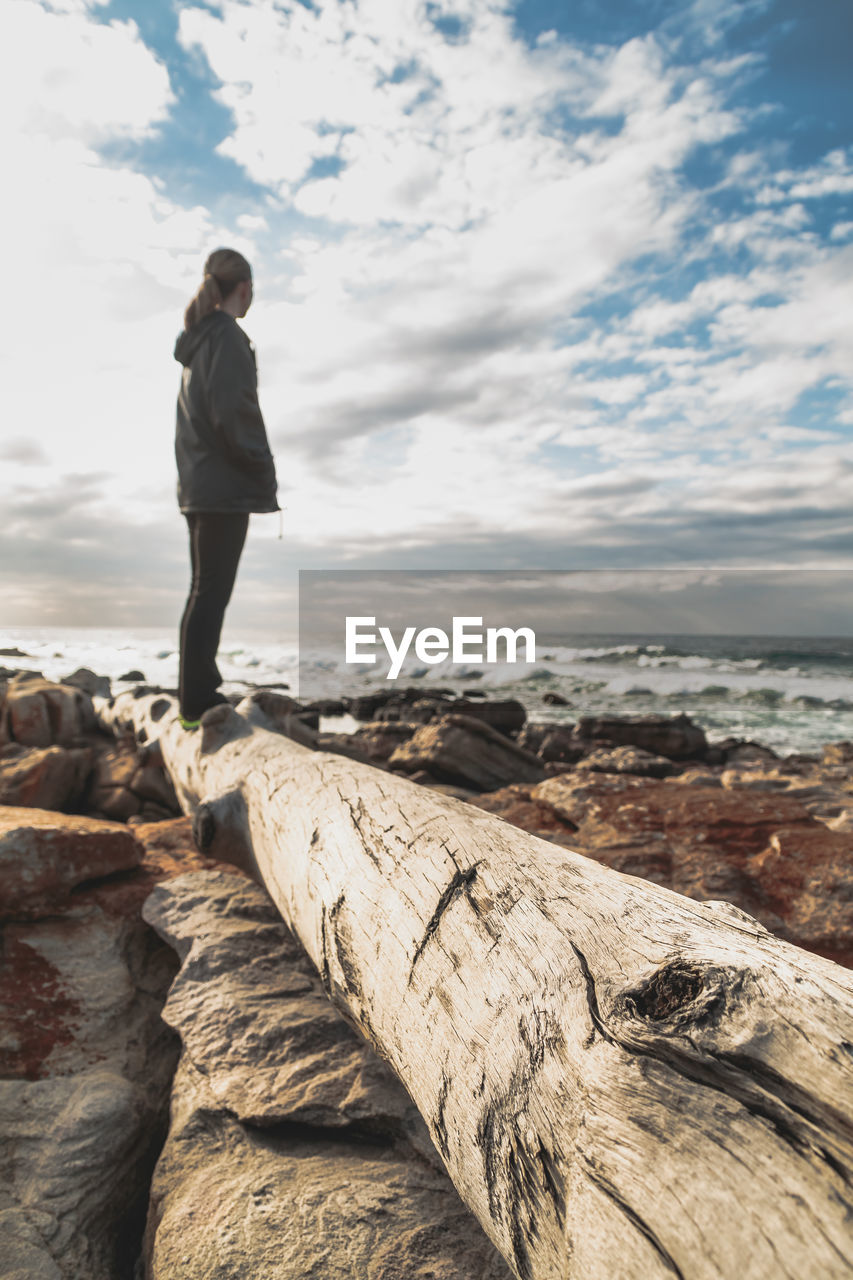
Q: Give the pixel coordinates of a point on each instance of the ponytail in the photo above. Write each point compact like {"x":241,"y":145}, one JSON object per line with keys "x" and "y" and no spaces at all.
{"x":223,"y":271}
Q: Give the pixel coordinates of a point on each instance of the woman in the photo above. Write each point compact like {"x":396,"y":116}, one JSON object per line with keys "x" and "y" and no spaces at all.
{"x":225,"y":467}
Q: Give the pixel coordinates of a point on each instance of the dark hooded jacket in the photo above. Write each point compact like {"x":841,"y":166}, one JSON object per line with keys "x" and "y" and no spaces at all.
{"x":221,"y":447}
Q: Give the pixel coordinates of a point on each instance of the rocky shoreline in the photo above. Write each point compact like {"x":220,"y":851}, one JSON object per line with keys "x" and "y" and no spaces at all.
{"x":149,"y":991}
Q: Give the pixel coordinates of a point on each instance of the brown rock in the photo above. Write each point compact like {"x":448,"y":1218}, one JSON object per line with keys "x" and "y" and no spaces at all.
{"x":379,"y":739}
{"x":838,"y":754}
{"x":807,"y":873}
{"x":41,"y":713}
{"x":109,"y":790}
{"x":507,"y":716}
{"x":553,"y":742}
{"x":44,"y":855}
{"x":468,"y":753}
{"x":628,"y":760}
{"x":45,"y":778}
{"x":152,"y":783}
{"x":85,"y":1068}
{"x":676,"y":737}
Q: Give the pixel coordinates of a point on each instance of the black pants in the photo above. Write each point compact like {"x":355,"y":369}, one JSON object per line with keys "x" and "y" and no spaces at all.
{"x":216,"y":542}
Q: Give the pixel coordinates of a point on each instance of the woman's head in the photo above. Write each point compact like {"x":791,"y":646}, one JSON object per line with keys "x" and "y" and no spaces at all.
{"x":225,"y":272}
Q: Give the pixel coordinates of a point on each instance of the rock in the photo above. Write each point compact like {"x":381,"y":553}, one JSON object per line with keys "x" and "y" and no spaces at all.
{"x":507,"y":716}
{"x":837,"y":754}
{"x":43,"y":856}
{"x":396,"y":704}
{"x":49,"y":778}
{"x":629,"y":760}
{"x":151,"y":783}
{"x":131,"y":676}
{"x":517,"y":805}
{"x":553,"y":742}
{"x":422,"y":711}
{"x":379,"y":739}
{"x":366,"y":706}
{"x":553,"y":699}
{"x":85,"y":1069}
{"x":342,"y":744}
{"x":807,"y":874}
{"x":744,"y":777}
{"x":127,"y":778}
{"x":292,"y":1150}
{"x":75,"y":1158}
{"x":13,"y":653}
{"x":466,"y":752}
{"x":89,"y":682}
{"x":749,"y":753}
{"x":109,"y":790}
{"x":325,"y":706}
{"x":676,"y":737}
{"x":40,"y":713}
{"x":699,"y":776}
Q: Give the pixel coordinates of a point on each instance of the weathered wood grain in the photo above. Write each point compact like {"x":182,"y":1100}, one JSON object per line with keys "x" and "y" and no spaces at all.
{"x":622,"y":1082}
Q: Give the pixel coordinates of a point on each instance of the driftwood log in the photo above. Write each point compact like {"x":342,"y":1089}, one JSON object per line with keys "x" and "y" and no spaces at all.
{"x":621,"y":1081}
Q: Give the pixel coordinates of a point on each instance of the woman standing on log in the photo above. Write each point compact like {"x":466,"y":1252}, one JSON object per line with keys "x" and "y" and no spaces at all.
{"x":225,"y":467}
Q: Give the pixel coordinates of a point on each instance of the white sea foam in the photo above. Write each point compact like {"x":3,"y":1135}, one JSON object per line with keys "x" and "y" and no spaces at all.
{"x":781,"y":692}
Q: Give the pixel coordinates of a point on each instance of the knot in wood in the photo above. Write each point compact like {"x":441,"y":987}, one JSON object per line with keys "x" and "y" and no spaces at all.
{"x":669,"y":990}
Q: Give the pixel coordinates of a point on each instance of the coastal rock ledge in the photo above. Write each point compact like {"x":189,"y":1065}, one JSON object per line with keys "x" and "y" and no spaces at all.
{"x":293,"y":1151}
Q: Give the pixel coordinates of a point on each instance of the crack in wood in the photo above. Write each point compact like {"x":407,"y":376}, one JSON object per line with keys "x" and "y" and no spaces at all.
{"x":591,"y":997}
{"x":439,"y":1124}
{"x":357,"y":816}
{"x":461,"y":880}
{"x":522,"y":1176}
{"x":636,"y":1220}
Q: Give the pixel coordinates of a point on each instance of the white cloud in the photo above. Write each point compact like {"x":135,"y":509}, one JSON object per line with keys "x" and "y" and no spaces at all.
{"x":103,"y":262}
{"x":67,"y":76}
{"x":428,"y":371}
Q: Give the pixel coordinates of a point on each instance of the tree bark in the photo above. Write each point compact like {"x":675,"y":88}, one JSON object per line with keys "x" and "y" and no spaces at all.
{"x":622,"y":1082}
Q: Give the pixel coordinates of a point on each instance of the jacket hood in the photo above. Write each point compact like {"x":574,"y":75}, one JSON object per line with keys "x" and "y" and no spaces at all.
{"x":190,"y":340}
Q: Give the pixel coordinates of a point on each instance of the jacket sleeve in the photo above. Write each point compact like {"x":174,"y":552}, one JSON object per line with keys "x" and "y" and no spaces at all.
{"x":232,"y":397}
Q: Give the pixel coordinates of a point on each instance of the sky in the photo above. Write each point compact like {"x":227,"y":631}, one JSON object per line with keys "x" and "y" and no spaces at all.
{"x":537,"y":285}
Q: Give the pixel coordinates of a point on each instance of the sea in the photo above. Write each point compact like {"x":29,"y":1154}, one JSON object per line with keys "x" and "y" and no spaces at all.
{"x":793,"y":694}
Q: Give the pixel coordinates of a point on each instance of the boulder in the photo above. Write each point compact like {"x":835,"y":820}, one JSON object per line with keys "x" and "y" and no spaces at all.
{"x":92,"y":684}
{"x":44,"y":778}
{"x":807,"y":874}
{"x":129,"y":780}
{"x":676,"y":737}
{"x":838,"y":755}
{"x":342,"y":744}
{"x":86,"y":1064}
{"x":507,"y":716}
{"x":379,"y":739}
{"x":85,"y":1059}
{"x":628,"y":760}
{"x":40,"y":713}
{"x":293,"y":1150}
{"x":44,"y":855}
{"x":468,"y":753}
{"x":110,"y":785}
